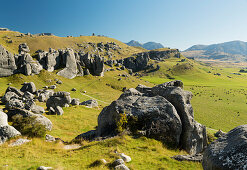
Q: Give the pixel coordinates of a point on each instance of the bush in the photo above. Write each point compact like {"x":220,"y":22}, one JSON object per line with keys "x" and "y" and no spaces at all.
{"x":121,"y":122}
{"x":211,"y":138}
{"x":28,"y":126}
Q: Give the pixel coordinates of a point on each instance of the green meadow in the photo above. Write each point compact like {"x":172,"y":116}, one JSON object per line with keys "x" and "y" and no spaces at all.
{"x":219,"y":102}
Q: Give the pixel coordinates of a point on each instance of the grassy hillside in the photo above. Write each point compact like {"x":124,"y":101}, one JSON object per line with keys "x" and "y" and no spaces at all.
{"x":79,"y":119}
{"x":219,"y":100}
{"x":45,"y":42}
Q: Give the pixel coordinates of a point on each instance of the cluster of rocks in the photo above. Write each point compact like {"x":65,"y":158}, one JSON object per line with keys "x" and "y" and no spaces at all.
{"x":140,"y":61}
{"x":22,"y":102}
{"x":72,"y":64}
{"x":163,"y":112}
{"x":101,"y":47}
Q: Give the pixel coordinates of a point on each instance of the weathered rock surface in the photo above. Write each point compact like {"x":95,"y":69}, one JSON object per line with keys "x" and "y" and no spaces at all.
{"x":28,"y":87}
{"x":137,"y":63}
{"x":155,"y":115}
{"x":192,"y":158}
{"x":19,"y":142}
{"x":44,"y":168}
{"x":163,"y":112}
{"x":90,"y":135}
{"x":57,"y":101}
{"x":121,"y":167}
{"x":70,"y":70}
{"x":38,"y":118}
{"x":75,"y":101}
{"x":193,"y":137}
{"x":94,"y":63}
{"x":126,"y":158}
{"x":90,"y":103}
{"x":228,"y":151}
{"x":7,"y":63}
{"x":6,"y":131}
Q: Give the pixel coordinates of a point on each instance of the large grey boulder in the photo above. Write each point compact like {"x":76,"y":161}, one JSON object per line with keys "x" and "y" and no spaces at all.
{"x":193,"y":137}
{"x":38,"y":118}
{"x":228,"y":151}
{"x":155,"y":115}
{"x":3,"y":119}
{"x":44,"y":95}
{"x":6,"y":131}
{"x":7,"y":63}
{"x":52,"y":60}
{"x":15,"y":90}
{"x":138,"y":63}
{"x":60,"y":99}
{"x":90,"y":103}
{"x":93,"y":63}
{"x":28,"y":87}
{"x":70,"y":70}
{"x":8,"y":96}
{"x":14,"y":103}
{"x":163,"y":112}
{"x":26,"y":65}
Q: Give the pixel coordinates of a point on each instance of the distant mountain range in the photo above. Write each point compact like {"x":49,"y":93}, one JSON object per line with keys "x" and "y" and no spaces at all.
{"x":148,"y":45}
{"x":233,"y":51}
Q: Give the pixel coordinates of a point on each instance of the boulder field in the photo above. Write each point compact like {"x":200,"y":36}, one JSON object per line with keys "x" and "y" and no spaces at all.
{"x":72,"y":64}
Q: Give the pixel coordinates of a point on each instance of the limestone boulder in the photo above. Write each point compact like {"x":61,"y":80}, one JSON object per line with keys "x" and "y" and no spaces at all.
{"x":227,"y":152}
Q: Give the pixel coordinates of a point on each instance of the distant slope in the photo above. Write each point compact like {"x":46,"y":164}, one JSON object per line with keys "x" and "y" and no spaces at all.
{"x":10,"y":40}
{"x":148,"y":45}
{"x":234,"y":51}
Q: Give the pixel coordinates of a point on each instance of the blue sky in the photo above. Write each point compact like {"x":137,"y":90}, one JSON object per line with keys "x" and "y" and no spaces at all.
{"x":174,"y":23}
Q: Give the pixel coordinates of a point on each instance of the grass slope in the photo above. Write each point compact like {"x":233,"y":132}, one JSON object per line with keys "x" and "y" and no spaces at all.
{"x":219,"y":101}
{"x":79,"y":119}
{"x":45,"y":42}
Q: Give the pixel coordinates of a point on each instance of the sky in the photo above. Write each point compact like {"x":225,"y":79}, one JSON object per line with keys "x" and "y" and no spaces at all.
{"x":173,"y":23}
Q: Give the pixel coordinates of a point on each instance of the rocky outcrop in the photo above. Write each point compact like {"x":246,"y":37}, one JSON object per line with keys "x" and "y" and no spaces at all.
{"x":227,"y":152}
{"x":7,"y":63}
{"x":58,"y":100}
{"x":70,"y":70}
{"x":28,"y":87}
{"x":16,"y":99}
{"x":193,"y":137}
{"x":138,"y":63}
{"x":94,"y":63}
{"x":38,"y":118}
{"x":72,"y":63}
{"x":163,"y":112}
{"x":90,"y":103}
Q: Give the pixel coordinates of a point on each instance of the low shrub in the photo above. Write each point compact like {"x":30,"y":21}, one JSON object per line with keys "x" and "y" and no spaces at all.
{"x":28,"y":126}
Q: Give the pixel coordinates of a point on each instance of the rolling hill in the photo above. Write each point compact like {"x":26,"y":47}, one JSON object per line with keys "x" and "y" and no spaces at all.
{"x":147,"y":46}
{"x":219,"y":102}
{"x":233,"y":51}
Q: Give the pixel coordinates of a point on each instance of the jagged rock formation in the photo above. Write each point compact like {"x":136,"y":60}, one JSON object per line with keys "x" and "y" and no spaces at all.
{"x":73,"y":64}
{"x":7,"y":63}
{"x":227,"y":152}
{"x":140,"y":61}
{"x":163,"y":112}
